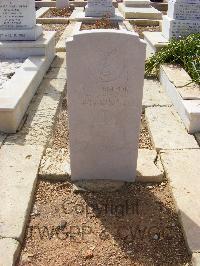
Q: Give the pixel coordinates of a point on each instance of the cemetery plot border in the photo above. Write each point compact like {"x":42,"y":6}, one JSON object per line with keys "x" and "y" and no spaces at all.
{"x":184,"y":95}
{"x":40,"y":15}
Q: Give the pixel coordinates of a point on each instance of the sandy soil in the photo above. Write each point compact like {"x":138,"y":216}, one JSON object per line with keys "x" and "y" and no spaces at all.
{"x":136,"y":225}
{"x":59,"y":28}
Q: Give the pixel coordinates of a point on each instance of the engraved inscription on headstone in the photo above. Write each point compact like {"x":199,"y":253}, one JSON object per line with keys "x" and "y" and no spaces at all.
{"x":99,"y":8}
{"x":17,"y":14}
{"x":105,"y":84}
{"x":183,"y":18}
{"x":18,"y":20}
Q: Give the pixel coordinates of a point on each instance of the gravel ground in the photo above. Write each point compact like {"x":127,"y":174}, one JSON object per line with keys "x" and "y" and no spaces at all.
{"x":59,"y":28}
{"x":136,"y":225}
{"x":99,"y":25}
{"x":53,"y":12}
{"x":8,"y":68}
{"x":140,"y":29}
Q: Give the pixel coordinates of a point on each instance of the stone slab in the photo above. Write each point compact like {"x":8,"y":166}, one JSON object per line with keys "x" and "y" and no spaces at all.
{"x":189,"y":110}
{"x":18,"y":178}
{"x":102,"y":99}
{"x":68,"y":32}
{"x":55,"y":165}
{"x":197,"y":137}
{"x":79,"y":15}
{"x":45,"y":45}
{"x":56,"y":73}
{"x":167,"y":130}
{"x":18,"y":92}
{"x":9,"y":251}
{"x":140,"y":3}
{"x":60,"y":60}
{"x":155,"y":41}
{"x":154,"y":94}
{"x":149,"y":168}
{"x":196,"y":259}
{"x":40,"y":116}
{"x":182,"y":168}
{"x":21,"y":34}
{"x":187,"y":89}
{"x":139,"y":13}
{"x":2,"y":138}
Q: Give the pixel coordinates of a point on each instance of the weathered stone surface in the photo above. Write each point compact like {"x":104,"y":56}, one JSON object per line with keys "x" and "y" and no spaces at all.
{"x":105,"y":100}
{"x":99,"y":8}
{"x":18,"y":179}
{"x":61,"y":46}
{"x":149,"y":168}
{"x":186,"y":100}
{"x":56,"y":73}
{"x":154,"y":94}
{"x":60,"y":60}
{"x":167,"y":130}
{"x":62,"y":3}
{"x":56,"y":165}
{"x":9,"y":251}
{"x":97,"y":185}
{"x":182,"y":81}
{"x":40,"y":114}
{"x":139,"y":12}
{"x":2,"y":138}
{"x":196,"y":259}
{"x":197,"y":137}
{"x":182,"y":168}
{"x":172,"y":28}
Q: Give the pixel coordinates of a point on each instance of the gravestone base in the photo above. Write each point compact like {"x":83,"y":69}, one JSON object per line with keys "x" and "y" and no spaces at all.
{"x":19,"y":90}
{"x":142,"y":12}
{"x":173,"y":28}
{"x":78,"y":15}
{"x":155,"y":41}
{"x":21,"y":34}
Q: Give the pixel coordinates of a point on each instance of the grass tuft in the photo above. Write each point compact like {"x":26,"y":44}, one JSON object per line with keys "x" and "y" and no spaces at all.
{"x":184,"y":52}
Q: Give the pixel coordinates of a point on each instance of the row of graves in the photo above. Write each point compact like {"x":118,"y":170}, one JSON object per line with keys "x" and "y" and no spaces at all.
{"x":105,"y":76}
{"x":21,"y":38}
{"x":182,"y":19}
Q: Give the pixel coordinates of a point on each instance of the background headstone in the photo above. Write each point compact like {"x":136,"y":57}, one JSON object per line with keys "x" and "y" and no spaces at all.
{"x":105,"y":84}
{"x":62,"y":4}
{"x":99,"y":8}
{"x":18,"y":20}
{"x":183,"y":18}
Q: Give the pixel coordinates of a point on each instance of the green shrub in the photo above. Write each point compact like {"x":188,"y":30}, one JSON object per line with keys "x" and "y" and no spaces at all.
{"x":184,"y":52}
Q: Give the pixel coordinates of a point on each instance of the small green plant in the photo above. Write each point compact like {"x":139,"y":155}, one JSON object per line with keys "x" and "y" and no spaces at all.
{"x":184,"y":52}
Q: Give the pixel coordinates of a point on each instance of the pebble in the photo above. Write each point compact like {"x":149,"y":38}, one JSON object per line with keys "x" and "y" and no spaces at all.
{"x":8,"y":68}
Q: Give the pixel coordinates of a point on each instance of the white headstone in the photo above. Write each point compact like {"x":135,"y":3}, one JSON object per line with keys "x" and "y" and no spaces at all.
{"x":62,"y":3}
{"x":105,"y":84}
{"x":18,"y":20}
{"x":183,"y":18}
{"x":99,"y":8}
